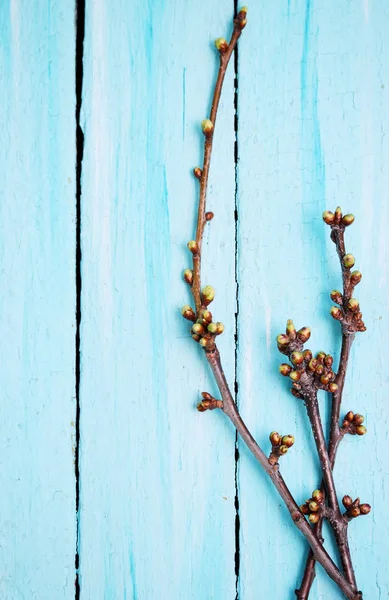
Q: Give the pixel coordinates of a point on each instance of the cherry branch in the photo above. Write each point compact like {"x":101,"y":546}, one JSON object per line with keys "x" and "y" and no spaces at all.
{"x":351,"y":320}
{"x":204,"y":331}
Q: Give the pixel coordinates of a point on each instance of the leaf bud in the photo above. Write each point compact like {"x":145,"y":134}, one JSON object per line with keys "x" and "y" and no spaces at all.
{"x":358,"y":419}
{"x":197,"y":172}
{"x":207,"y":294}
{"x":348,"y":220}
{"x":338,"y":214}
{"x":336,"y":313}
{"x":188,"y":313}
{"x":188,"y":276}
{"x":294,"y":375}
{"x":207,"y":127}
{"x":288,"y":440}
{"x":365,"y":509}
{"x":283,"y":449}
{"x":328,"y":217}
{"x":198,"y":329}
{"x":304,"y":334}
{"x":284,"y":369}
{"x":353,"y":304}
{"x":275,"y":438}
{"x":314,"y":518}
{"x":356,"y":277}
{"x":360,"y":430}
{"x":290,"y":329}
{"x":332,"y":388}
{"x":318,"y":496}
{"x":297,"y":357}
{"x":348,"y":261}
{"x":347,"y":501}
{"x":336,"y":296}
{"x":282,"y":339}
{"x":209,"y":216}
{"x":221,"y":44}
{"x":193,"y":246}
{"x":355,"y":511}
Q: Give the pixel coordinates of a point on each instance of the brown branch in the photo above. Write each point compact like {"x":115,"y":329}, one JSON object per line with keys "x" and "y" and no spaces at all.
{"x":336,"y":434}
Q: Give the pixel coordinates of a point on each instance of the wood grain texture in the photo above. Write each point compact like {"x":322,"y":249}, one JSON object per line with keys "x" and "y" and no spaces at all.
{"x":313,"y":97}
{"x":157,"y":478}
{"x":37,"y":302}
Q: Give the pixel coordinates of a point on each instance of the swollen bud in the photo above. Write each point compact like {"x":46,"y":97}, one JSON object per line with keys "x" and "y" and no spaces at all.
{"x":347,"y":501}
{"x":193,"y":247}
{"x":283,"y":449}
{"x":207,"y":127}
{"x":188,"y":313}
{"x":207,"y":294}
{"x":313,"y":506}
{"x":360,"y":430}
{"x":356,"y":277}
{"x":336,"y":313}
{"x":348,"y":220}
{"x":353,"y":304}
{"x":328,"y":217}
{"x":188,"y":276}
{"x":294,"y":375}
{"x":332,"y":388}
{"x":282,"y":339}
{"x":275,"y":438}
{"x":290,"y":329}
{"x":284,"y":369}
{"x":358,"y":419}
{"x":204,"y":342}
{"x":314,"y":518}
{"x":318,"y":496}
{"x":348,"y":261}
{"x":221,"y":44}
{"x":304,"y":334}
{"x":288,"y":440}
{"x":365,"y":509}
{"x":198,"y":329}
{"x":336,"y":296}
{"x":197,"y":172}
{"x":297,"y":358}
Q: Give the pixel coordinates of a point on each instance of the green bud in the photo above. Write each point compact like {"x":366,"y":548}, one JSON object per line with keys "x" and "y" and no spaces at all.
{"x":318,"y":496}
{"x":337,"y":297}
{"x":338,"y":214}
{"x":198,"y":329}
{"x":283,"y":449}
{"x":288,"y":440}
{"x":212,"y":327}
{"x":282,"y":339}
{"x":207,"y":127}
{"x":188,"y":276}
{"x":353,"y":304}
{"x":348,"y":220}
{"x":336,"y":313}
{"x":328,"y":217}
{"x":348,"y":261}
{"x":219,"y":328}
{"x":193,"y":247}
{"x":356,"y":277}
{"x":313,"y":506}
{"x":290,"y":329}
{"x":297,"y":357}
{"x":314,"y":518}
{"x":207,"y":294}
{"x":275,"y":438}
{"x":294,"y":375}
{"x":332,"y":387}
{"x":221,"y":44}
{"x":188,"y":313}
{"x":284,"y":369}
{"x":304,"y":334}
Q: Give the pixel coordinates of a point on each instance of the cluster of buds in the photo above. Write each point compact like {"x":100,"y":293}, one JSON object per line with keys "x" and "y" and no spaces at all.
{"x":292,"y":340}
{"x":240,"y":20}
{"x":208,"y":403}
{"x":314,"y":507}
{"x":348,"y":312}
{"x":280,"y":445}
{"x":318,"y":369}
{"x":352,"y":423}
{"x":337,"y":219}
{"x":204,"y":330}
{"x":354,"y":508}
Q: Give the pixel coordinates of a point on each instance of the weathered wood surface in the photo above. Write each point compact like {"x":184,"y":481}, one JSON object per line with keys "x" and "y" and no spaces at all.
{"x":157,"y":480}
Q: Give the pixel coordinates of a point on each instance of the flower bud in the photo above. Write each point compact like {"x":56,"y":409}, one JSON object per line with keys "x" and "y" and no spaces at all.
{"x":197,"y":172}
{"x":188,"y":276}
{"x":353,"y":304}
{"x":206,"y":396}
{"x":198,"y":329}
{"x":204,"y":342}
{"x":275,"y":438}
{"x":212,"y":327}
{"x":290,"y":329}
{"x":328,"y":360}
{"x":313,"y":506}
{"x":336,"y":296}
{"x":318,"y":496}
{"x":365,"y":509}
{"x":284,"y":369}
{"x":304,"y":334}
{"x":319,"y":370}
{"x":294,"y":375}
{"x":209,"y":216}
{"x":320,"y":356}
{"x":338,"y":214}
{"x":328,"y":217}
{"x":349,"y":416}
{"x":282,"y":339}
{"x":360,"y":430}
{"x":347,"y":501}
{"x":348,"y":220}
{"x":188,"y":313}
{"x":355,"y":512}
{"x":336,"y":313}
{"x":312,"y":364}
{"x":304,"y":509}
{"x":325,"y":379}
{"x":205,"y":315}
{"x":348,"y":261}
{"x":221,"y":44}
{"x":307,"y":355}
{"x":288,"y":440}
{"x":201,"y":407}
{"x":297,"y":357}
{"x":356,"y":277}
{"x":207,"y":294}
{"x":207,"y":127}
{"x":332,"y":388}
{"x":193,"y":247}
{"x":219,"y":328}
{"x":314,"y":518}
{"x":283,"y":449}
{"x":358,"y":419}
{"x":196,"y":337}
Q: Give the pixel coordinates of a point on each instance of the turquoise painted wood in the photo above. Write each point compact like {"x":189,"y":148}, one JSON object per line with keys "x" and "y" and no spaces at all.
{"x":313,"y":81}
{"x":37,"y":301}
{"x":157,"y":479}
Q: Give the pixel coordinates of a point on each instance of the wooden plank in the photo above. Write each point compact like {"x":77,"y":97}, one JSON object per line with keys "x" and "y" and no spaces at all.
{"x":157,"y":478}
{"x":37,"y":303}
{"x":313,"y":97}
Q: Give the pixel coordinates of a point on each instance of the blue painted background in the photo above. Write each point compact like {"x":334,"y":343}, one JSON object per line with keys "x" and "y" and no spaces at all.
{"x":158,"y":480}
